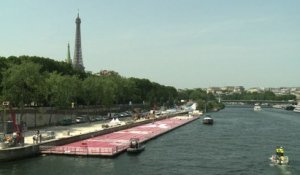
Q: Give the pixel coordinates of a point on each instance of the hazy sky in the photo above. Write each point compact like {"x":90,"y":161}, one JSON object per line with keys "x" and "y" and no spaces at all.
{"x":181,"y":43}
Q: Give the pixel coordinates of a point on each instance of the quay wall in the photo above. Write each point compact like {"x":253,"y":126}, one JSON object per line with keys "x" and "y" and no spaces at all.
{"x":46,"y":116}
{"x":16,"y":153}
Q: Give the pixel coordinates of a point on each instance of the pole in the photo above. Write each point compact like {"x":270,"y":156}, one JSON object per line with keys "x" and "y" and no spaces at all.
{"x":3,"y":120}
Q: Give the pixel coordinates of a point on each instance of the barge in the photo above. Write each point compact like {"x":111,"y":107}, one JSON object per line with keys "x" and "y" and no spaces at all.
{"x":117,"y":142}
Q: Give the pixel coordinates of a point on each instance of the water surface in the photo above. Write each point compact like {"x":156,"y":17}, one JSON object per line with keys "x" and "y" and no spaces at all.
{"x":240,"y":142}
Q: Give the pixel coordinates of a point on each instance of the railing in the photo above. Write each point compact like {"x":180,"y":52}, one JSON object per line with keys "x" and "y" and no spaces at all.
{"x":82,"y":150}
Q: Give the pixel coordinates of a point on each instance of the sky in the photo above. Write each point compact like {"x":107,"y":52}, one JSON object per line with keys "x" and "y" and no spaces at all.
{"x":180,"y":43}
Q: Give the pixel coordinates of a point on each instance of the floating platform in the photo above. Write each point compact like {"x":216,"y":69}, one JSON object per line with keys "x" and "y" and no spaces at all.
{"x":114,"y":143}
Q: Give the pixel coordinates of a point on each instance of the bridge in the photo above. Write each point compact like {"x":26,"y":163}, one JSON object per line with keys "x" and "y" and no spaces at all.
{"x":260,"y":101}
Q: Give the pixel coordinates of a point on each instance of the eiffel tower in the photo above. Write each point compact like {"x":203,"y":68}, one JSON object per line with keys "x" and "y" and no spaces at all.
{"x":77,"y":60}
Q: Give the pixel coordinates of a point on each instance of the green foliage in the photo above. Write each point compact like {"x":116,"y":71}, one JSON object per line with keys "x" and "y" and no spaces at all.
{"x":92,"y":88}
{"x":3,"y":67}
{"x":109,"y":91}
{"x":267,"y":95}
{"x":23,"y":84}
{"x":154,"y":93}
{"x":63,"y":90}
{"x":201,"y":104}
{"x":27,"y":79}
{"x":48,"y":65}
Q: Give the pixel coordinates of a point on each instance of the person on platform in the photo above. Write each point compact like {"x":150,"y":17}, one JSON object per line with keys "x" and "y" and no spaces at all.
{"x":280,"y":156}
{"x":281,"y":151}
{"x":277,"y":151}
{"x":34,"y":138}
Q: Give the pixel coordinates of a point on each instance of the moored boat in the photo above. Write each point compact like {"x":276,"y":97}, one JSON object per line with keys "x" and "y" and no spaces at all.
{"x":208,"y":120}
{"x":297,"y":108}
{"x":290,"y":108}
{"x":135,"y":146}
{"x":257,"y":107}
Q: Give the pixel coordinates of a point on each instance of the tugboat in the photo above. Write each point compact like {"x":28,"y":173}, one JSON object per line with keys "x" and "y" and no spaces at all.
{"x":208,"y":120}
{"x":135,"y":146}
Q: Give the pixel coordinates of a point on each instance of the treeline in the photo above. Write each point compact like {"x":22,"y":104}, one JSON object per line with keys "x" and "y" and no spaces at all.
{"x":28,"y":80}
{"x":267,"y":95}
{"x":38,"y":81}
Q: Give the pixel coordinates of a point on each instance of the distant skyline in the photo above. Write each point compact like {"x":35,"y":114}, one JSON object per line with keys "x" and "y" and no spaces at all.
{"x":180,"y":43}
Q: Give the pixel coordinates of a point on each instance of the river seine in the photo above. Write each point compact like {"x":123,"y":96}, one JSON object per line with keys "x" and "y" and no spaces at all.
{"x":240,"y":142}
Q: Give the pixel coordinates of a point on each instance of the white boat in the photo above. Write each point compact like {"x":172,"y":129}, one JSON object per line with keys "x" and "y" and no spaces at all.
{"x":297,"y":108}
{"x":257,"y":107}
{"x":208,"y":120}
{"x":278,"y":106}
{"x":284,"y":160}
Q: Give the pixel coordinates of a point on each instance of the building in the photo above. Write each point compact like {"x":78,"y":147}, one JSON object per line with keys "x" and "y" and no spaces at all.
{"x":238,"y":89}
{"x":107,"y":73}
{"x":77,"y":60}
{"x":226,"y":90}
{"x":69,"y":60}
{"x":254,"y":89}
{"x":214,"y":90}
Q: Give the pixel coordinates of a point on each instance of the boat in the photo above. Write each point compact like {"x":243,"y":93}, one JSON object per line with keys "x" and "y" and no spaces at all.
{"x":135,"y":146}
{"x":257,"y":107}
{"x":208,"y":120}
{"x":297,"y":108}
{"x":290,"y":108}
{"x":283,"y":160}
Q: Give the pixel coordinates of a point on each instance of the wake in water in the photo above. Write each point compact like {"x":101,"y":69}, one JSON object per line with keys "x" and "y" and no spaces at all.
{"x":283,"y":168}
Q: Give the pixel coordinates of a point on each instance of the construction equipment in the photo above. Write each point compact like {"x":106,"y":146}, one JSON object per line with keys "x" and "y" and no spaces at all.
{"x":12,"y":134}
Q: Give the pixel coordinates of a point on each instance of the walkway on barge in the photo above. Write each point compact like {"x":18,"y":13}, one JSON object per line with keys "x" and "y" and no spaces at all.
{"x":117,"y":142}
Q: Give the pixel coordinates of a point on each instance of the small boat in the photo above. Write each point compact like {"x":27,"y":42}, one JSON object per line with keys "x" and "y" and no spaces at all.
{"x":135,"y":146}
{"x":290,"y":108}
{"x":283,"y":160}
{"x":208,"y":120}
{"x":257,"y":107}
{"x":297,"y":108}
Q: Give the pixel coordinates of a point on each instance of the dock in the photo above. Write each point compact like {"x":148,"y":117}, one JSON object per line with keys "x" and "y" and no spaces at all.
{"x":117,"y":142}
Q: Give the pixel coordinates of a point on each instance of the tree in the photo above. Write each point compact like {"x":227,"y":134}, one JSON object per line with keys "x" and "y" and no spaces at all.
{"x":109,"y":89}
{"x":198,"y":94}
{"x":267,"y":95}
{"x":63,"y":90}
{"x":23,"y":84}
{"x":92,"y":90}
{"x":184,"y":94}
{"x":48,"y":65}
{"x":3,"y":66}
{"x":57,"y":84}
{"x":143,"y":86}
{"x":126,"y":90}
